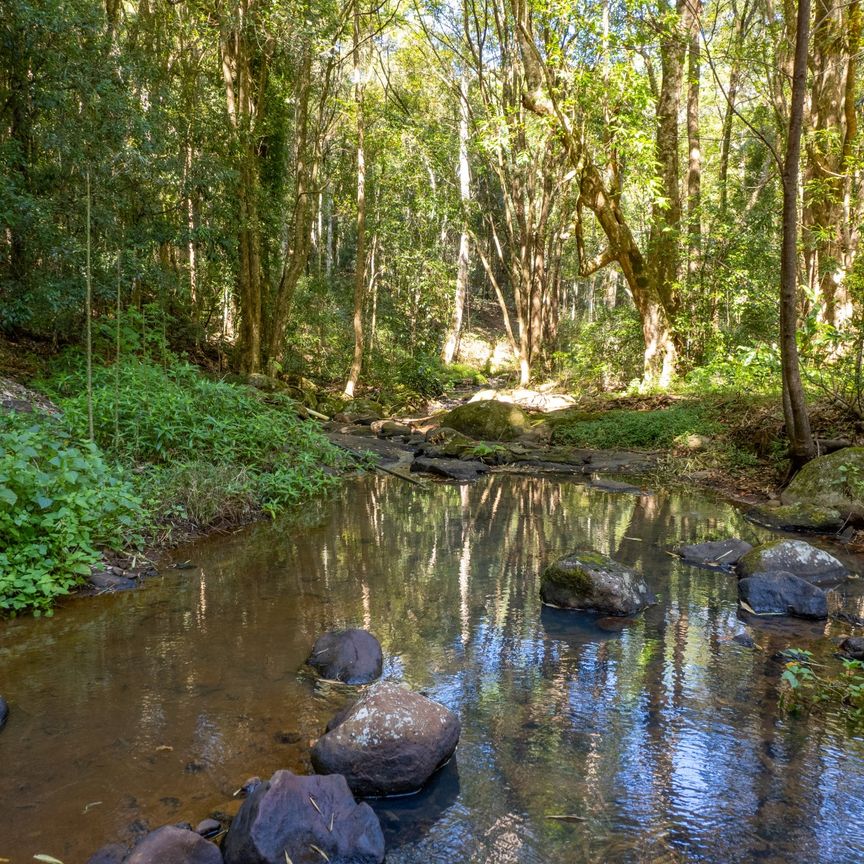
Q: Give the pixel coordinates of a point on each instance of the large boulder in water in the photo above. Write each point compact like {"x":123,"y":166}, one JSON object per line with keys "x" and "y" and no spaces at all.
{"x":172,"y":845}
{"x":715,"y":553}
{"x":594,"y":582}
{"x":309,"y":819}
{"x":797,"y":517}
{"x":488,"y":420}
{"x":834,"y":481}
{"x":113,"y":853}
{"x":783,"y":594}
{"x":389,"y":743}
{"x":793,"y":556}
{"x":351,"y":656}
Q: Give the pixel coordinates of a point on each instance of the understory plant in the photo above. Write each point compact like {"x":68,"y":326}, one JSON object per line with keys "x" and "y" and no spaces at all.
{"x":59,"y":503}
{"x":806,"y":685}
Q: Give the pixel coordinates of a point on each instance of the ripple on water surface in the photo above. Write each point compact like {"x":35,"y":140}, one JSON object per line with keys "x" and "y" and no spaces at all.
{"x":660,"y":738}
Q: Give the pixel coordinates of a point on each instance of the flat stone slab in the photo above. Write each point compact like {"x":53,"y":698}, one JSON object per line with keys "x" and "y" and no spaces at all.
{"x":452,"y":469}
{"x":389,"y":452}
{"x":797,"y":517}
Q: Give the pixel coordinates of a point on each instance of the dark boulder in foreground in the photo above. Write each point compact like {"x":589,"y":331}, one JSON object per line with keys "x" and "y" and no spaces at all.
{"x":389,"y":743}
{"x":4,"y":712}
{"x":452,"y":469}
{"x":715,"y":553}
{"x":172,"y":845}
{"x":783,"y":594}
{"x":352,"y":656}
{"x":853,"y":647}
{"x":309,"y":819}
{"x":591,"y":581}
{"x":793,"y":556}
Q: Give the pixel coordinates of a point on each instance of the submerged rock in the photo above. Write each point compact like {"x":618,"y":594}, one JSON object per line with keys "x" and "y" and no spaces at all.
{"x":173,"y":845}
{"x":308,"y":819}
{"x":352,"y":656}
{"x":715,"y":553}
{"x":488,"y":420}
{"x":390,"y":742}
{"x":793,"y":556}
{"x":452,"y":469}
{"x":208,"y":827}
{"x":113,"y":853}
{"x":594,"y":582}
{"x":835,"y":481}
{"x":797,"y":517}
{"x":783,"y":594}
{"x":853,"y":647}
{"x":4,"y":712}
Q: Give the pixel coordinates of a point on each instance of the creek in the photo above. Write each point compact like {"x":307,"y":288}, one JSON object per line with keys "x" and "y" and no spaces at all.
{"x":661,"y":735}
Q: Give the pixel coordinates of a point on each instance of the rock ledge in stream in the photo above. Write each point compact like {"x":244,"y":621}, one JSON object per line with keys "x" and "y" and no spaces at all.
{"x":715,"y":553}
{"x":452,"y":469}
{"x":172,"y":845}
{"x":350,"y":656}
{"x":298,"y":816}
{"x":588,"y":580}
{"x":797,"y":517}
{"x":783,"y":594}
{"x":793,"y":556}
{"x":389,"y":743}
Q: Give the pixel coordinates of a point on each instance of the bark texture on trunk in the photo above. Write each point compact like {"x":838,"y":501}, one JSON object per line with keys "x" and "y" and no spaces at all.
{"x":360,"y":258}
{"x":451,"y":342}
{"x":830,"y":223}
{"x":801,"y":445}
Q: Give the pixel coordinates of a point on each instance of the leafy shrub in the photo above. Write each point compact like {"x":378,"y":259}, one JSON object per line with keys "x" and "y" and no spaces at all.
{"x":639,"y":429}
{"x":58,"y":502}
{"x":206,"y":450}
{"x":804,"y":686}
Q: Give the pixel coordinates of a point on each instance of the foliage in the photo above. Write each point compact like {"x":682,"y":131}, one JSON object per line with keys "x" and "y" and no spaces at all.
{"x":806,"y":687}
{"x":635,"y":429}
{"x":259,"y":454}
{"x":59,"y":502}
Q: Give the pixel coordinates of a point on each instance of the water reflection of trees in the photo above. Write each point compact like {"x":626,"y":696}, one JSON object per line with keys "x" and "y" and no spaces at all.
{"x":664,"y":736}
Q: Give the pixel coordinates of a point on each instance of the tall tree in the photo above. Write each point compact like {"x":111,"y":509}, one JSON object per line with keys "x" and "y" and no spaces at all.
{"x":801,"y":444}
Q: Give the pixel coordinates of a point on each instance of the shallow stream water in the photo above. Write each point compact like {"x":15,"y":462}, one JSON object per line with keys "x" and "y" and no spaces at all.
{"x":662,"y":737}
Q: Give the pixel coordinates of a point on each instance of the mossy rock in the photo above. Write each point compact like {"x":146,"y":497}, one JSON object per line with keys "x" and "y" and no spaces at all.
{"x":834,"y":481}
{"x":798,"y":517}
{"x":591,"y":581}
{"x":488,"y":420}
{"x":797,"y":557}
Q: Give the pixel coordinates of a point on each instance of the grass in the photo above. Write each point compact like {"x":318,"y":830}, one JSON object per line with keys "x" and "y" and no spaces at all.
{"x":635,"y":430}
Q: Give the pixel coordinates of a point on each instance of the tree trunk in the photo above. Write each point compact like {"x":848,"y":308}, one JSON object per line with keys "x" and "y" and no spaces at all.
{"x":801,"y":444}
{"x":694,"y":148}
{"x":360,"y":259}
{"x":451,"y":343}
{"x":827,"y":185}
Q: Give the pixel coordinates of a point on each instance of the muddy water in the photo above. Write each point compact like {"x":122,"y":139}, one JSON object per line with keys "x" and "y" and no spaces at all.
{"x":662,"y":737}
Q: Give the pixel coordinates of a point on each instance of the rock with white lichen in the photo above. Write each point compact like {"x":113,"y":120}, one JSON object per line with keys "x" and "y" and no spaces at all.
{"x":390,"y":742}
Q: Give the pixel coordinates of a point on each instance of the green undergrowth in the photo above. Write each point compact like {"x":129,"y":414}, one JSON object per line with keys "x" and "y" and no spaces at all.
{"x":809,"y":686}
{"x":175,"y":453}
{"x":60,"y":501}
{"x":637,"y":430}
